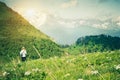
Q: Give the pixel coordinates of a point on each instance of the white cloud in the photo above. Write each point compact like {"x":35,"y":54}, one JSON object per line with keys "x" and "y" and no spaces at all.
{"x":82,"y":22}
{"x":101,"y":26}
{"x":105,"y":25}
{"x":116,"y":19}
{"x":67,"y":24}
{"x":118,"y":23}
{"x":71,"y":3}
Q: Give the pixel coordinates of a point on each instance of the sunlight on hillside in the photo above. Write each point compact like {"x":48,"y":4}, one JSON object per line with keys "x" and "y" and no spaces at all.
{"x":30,"y":12}
{"x":92,"y":57}
{"x":34,"y":17}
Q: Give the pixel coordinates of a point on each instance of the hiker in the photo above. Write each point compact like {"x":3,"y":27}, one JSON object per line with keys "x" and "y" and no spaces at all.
{"x":23,"y":54}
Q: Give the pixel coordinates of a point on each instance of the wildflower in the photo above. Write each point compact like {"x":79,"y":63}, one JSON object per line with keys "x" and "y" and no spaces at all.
{"x":36,"y":70}
{"x":5,"y":73}
{"x":94,"y":72}
{"x":117,"y":67}
{"x":67,"y":75}
{"x":27,"y":73}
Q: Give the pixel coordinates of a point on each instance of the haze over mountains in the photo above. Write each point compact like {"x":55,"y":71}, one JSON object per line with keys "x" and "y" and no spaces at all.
{"x":66,"y":21}
{"x":67,"y":31}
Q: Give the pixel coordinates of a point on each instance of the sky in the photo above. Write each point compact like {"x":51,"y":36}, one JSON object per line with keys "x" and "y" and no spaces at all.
{"x":67,"y":20}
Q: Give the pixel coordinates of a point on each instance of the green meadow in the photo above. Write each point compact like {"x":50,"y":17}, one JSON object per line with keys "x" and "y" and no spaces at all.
{"x":97,"y":66}
{"x":90,"y":58}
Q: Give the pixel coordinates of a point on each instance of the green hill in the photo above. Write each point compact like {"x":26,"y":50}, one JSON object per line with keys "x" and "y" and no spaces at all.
{"x":95,"y":66}
{"x":16,"y":32}
{"x":96,"y":43}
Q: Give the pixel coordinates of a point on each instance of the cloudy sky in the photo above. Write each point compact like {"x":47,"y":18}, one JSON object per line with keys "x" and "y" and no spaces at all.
{"x":67,"y":20}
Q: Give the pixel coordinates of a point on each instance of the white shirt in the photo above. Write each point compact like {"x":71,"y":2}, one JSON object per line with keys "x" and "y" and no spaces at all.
{"x":23,"y":53}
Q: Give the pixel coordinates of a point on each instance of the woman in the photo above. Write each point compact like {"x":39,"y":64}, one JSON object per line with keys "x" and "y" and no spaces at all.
{"x":23,"y":53}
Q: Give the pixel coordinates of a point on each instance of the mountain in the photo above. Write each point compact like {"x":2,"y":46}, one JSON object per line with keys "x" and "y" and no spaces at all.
{"x":16,"y":32}
{"x":95,"y":43}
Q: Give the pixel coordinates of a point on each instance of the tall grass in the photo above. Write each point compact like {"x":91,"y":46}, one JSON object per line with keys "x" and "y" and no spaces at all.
{"x":97,"y":66}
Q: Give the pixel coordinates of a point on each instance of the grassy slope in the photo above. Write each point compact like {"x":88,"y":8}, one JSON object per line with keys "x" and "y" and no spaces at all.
{"x":16,"y":32}
{"x":98,"y":66}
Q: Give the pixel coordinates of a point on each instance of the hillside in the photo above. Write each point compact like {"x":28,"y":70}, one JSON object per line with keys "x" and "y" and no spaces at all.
{"x":16,"y":32}
{"x":95,"y":66}
{"x":96,"y":43}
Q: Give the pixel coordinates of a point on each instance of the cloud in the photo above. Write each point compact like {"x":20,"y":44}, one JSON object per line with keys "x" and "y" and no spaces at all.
{"x":118,"y":23}
{"x":71,"y":3}
{"x":69,"y":24}
{"x":82,"y":22}
{"x":101,"y":26}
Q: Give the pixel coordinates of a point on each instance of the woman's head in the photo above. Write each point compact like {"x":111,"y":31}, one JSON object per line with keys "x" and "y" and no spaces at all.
{"x":23,"y":47}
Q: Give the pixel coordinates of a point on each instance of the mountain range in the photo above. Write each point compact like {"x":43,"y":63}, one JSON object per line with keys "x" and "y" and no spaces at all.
{"x":94,"y":43}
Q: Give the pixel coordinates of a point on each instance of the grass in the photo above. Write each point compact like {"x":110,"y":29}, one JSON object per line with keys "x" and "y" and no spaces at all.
{"x":16,"y":32}
{"x":97,"y":66}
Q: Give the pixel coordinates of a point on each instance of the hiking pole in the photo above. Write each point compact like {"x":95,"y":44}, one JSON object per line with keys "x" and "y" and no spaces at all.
{"x":37,"y":51}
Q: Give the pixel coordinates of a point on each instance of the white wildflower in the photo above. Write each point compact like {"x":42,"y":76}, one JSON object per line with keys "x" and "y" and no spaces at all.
{"x":117,"y":67}
{"x":36,"y":70}
{"x":67,"y":75}
{"x":94,"y":72}
{"x":27,"y":73}
{"x":4,"y":74}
